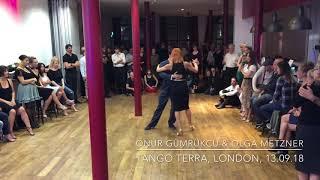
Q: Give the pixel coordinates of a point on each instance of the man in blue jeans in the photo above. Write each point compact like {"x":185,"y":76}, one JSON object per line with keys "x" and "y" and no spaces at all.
{"x":266,"y":95}
{"x":163,"y":99}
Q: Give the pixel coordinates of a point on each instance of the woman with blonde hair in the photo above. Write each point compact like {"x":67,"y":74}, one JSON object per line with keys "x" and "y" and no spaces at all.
{"x":55,"y":77}
{"x":179,"y":93}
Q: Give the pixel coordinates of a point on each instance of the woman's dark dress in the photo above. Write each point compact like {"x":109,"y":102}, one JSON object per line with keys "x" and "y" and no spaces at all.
{"x":6,"y":94}
{"x":151,"y":81}
{"x":179,"y":93}
{"x":308,"y":130}
{"x":26,"y":93}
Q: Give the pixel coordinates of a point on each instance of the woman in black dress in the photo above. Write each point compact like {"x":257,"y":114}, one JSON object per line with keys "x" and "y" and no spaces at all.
{"x":195,"y":56}
{"x":179,"y":93}
{"x":308,"y":131}
{"x":151,"y":82}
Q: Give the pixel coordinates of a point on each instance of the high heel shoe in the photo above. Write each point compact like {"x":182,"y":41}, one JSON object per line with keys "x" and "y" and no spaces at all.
{"x":192,"y":128}
{"x":29,"y":129}
{"x":180,"y":132}
{"x":62,"y":107}
{"x":74,"y":108}
{"x":8,"y":138}
{"x":13,"y":136}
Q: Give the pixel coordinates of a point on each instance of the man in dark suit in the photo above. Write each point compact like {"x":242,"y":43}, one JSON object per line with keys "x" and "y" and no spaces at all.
{"x":163,"y":99}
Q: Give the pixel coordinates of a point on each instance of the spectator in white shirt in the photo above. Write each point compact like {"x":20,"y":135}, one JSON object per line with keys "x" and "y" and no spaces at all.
{"x":83,"y":69}
{"x":263,"y":76}
{"x":229,"y":95}
{"x":119,"y":62}
{"x":230,"y":62}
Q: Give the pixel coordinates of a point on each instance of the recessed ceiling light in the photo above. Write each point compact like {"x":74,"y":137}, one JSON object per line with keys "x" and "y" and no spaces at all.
{"x":181,"y":9}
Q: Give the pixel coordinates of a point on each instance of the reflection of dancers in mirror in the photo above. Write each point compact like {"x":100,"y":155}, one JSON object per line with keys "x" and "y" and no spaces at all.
{"x":179,"y":93}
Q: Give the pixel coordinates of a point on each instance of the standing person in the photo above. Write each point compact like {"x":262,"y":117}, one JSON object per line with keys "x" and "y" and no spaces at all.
{"x":218,"y":56}
{"x":230,"y":62}
{"x":129,"y":60}
{"x":179,"y":88}
{"x":71,"y":62}
{"x":119,"y":62}
{"x":154,"y":60}
{"x":163,"y":53}
{"x":143,"y":61}
{"x":83,"y":70}
{"x":210,"y":57}
{"x":108,"y":71}
{"x":245,"y":52}
{"x":248,"y":70}
{"x":195,"y":56}
{"x":83,"y":86}
{"x":163,"y":99}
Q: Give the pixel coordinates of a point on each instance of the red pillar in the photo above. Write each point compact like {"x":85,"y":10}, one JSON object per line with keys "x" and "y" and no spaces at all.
{"x":210,"y":37}
{"x":97,"y":117}
{"x":135,"y":21}
{"x":147,"y":33}
{"x":258,"y":25}
{"x":225,"y":22}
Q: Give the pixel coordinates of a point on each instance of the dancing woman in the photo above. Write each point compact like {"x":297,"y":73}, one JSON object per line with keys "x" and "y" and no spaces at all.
{"x":178,"y":88}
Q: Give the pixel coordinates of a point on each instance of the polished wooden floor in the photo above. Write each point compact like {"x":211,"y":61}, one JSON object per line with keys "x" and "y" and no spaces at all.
{"x":61,"y":148}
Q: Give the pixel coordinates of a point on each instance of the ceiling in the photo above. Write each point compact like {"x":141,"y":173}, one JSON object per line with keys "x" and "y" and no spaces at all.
{"x":169,"y":7}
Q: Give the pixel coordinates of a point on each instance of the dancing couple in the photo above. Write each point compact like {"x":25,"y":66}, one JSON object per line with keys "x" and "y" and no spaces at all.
{"x":174,"y":73}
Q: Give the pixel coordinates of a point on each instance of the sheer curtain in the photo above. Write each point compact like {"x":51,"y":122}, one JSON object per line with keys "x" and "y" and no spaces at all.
{"x":61,"y":26}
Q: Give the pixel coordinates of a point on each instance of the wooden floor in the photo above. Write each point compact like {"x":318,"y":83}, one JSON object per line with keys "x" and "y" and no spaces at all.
{"x":61,"y":148}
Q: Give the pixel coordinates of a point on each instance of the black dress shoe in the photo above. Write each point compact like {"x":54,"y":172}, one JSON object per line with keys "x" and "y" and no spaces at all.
{"x":217,"y":105}
{"x":148,"y":128}
{"x":221,"y":106}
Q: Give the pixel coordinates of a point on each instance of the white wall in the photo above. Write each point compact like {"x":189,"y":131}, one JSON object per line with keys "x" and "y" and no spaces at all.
{"x":241,"y":33}
{"x":29,"y":35}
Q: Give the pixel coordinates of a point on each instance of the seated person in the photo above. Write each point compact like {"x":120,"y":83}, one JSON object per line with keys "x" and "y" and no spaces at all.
{"x":8,"y":102}
{"x":289,"y":121}
{"x":263,"y":76}
{"x":4,"y":128}
{"x":55,"y":75}
{"x":266,"y":93}
{"x":130,"y":85}
{"x":283,"y":97}
{"x":229,"y":95}
{"x":58,"y":91}
{"x":151,"y":82}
